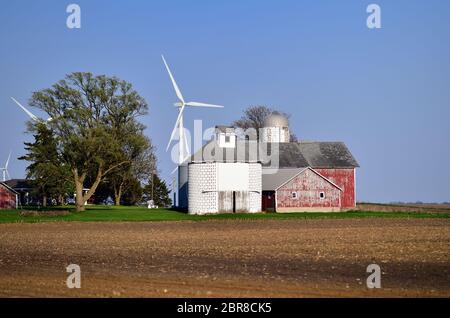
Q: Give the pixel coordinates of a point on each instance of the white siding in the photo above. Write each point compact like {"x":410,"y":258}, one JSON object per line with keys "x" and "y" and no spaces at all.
{"x":206,"y":180}
{"x":232,"y":176}
{"x":275,"y":134}
{"x":255,"y":187}
{"x":203,"y":195}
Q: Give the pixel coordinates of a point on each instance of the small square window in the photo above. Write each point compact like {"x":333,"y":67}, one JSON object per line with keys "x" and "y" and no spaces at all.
{"x":227,"y":138}
{"x":294,"y":195}
{"x":322,"y":195}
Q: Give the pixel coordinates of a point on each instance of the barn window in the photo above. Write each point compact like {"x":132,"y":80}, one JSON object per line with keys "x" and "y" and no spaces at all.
{"x":227,"y":138}
{"x":322,"y":195}
{"x":294,"y":195}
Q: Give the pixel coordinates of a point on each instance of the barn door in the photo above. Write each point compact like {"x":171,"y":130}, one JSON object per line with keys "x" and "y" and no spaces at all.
{"x":241,"y":201}
{"x":234,"y":201}
{"x":268,"y":201}
{"x":226,"y":202}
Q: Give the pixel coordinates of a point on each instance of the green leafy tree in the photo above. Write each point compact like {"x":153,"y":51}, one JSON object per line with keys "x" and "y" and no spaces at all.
{"x":139,"y":153}
{"x":88,"y":114}
{"x":50,"y":176}
{"x":157,"y":190}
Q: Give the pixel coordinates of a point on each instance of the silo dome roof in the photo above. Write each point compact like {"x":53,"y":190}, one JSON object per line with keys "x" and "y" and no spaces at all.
{"x":276,"y":120}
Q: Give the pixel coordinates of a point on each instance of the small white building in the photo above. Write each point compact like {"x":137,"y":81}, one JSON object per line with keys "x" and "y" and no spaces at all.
{"x":222,"y":180}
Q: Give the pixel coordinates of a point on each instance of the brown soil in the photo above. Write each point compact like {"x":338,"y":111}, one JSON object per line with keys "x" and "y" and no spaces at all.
{"x":227,"y":258}
{"x":428,"y":208}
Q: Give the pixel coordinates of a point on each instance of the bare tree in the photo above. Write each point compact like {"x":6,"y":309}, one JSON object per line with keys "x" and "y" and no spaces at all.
{"x":254,"y":117}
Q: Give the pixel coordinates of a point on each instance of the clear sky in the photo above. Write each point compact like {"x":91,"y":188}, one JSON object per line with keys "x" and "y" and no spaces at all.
{"x":384,"y":92}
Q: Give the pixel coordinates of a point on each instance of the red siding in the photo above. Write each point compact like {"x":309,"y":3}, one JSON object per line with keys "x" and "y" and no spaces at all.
{"x":308,"y":186}
{"x":345,"y":179}
{"x":7,"y":198}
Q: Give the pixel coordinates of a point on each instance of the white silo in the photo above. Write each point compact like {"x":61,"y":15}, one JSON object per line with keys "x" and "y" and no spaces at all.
{"x":276,"y":128}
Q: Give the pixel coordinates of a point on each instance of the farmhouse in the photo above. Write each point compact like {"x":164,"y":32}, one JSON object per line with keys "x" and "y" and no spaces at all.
{"x":23,"y":187}
{"x":8,"y":197}
{"x":235,"y":173}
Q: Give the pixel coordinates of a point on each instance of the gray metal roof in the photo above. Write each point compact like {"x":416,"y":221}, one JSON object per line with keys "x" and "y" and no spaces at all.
{"x":314,"y":154}
{"x":274,"y":181}
{"x":8,"y":187}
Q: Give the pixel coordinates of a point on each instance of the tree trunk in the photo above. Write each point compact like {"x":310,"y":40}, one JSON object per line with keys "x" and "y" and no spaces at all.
{"x":79,"y":183}
{"x":79,"y":200}
{"x":44,"y":201}
{"x":118,"y":194}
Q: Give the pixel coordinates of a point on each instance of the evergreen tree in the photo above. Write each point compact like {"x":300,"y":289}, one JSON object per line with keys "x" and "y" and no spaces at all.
{"x":157,"y":190}
{"x":50,"y":177}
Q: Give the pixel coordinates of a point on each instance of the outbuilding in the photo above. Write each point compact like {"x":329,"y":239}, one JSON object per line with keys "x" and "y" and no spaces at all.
{"x":8,"y":197}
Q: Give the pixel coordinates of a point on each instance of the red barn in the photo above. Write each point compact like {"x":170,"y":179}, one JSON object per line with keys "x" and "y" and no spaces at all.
{"x":239,"y":171}
{"x":8,"y":197}
{"x":312,"y":176}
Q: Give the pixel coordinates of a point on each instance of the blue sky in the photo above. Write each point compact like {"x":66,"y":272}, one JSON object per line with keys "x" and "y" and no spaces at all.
{"x":384,"y":92}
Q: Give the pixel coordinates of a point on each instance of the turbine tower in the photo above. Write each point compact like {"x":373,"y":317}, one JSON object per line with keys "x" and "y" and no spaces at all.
{"x":5,"y":169}
{"x":183,"y":144}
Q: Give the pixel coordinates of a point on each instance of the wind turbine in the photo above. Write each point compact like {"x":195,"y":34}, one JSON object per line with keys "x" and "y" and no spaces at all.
{"x":32,"y":116}
{"x":183,"y":144}
{"x":5,"y":169}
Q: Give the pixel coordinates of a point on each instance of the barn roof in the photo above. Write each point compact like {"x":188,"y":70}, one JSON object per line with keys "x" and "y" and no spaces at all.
{"x":275,"y":180}
{"x":8,"y":187}
{"x":315,"y":154}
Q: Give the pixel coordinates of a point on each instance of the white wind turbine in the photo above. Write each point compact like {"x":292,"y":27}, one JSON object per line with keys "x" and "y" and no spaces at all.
{"x":183,"y":144}
{"x":32,"y":116}
{"x":5,"y":169}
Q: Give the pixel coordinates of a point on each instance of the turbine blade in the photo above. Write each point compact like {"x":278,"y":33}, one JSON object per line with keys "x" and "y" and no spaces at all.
{"x":175,"y":127}
{"x":32,"y":116}
{"x":7,"y":161}
{"x":196,"y":104}
{"x":173,"y":171}
{"x":175,"y":86}
{"x":7,"y":173}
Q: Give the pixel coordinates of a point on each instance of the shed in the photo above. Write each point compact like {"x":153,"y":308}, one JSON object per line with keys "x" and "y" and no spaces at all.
{"x":8,"y":197}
